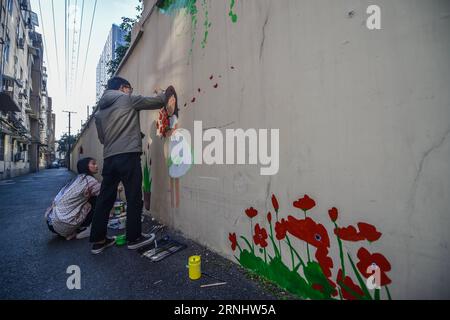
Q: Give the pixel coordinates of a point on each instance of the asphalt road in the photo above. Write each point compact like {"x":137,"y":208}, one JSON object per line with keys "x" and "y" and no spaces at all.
{"x":34,"y":262}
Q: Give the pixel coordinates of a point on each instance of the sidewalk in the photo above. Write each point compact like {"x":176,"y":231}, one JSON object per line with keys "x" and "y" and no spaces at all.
{"x":34,"y":262}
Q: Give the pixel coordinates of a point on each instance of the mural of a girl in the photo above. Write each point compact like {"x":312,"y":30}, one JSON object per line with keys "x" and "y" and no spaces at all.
{"x":173,"y":113}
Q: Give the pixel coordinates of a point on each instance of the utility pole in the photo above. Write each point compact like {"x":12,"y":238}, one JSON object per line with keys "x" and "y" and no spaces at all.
{"x":68,"y":140}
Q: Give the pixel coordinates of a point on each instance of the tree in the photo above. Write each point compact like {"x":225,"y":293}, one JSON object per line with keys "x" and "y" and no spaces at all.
{"x":127,"y":26}
{"x":63,"y":143}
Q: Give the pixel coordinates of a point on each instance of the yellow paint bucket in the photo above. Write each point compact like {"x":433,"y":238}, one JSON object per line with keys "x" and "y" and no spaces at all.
{"x":195,"y":270}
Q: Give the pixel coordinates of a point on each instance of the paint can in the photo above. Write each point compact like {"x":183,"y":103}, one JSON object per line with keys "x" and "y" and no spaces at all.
{"x":195,"y":271}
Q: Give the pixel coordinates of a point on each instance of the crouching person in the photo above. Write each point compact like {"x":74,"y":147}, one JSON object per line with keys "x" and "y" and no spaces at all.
{"x":71,"y":213}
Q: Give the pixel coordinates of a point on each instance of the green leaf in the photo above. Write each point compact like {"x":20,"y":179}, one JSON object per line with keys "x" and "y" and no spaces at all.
{"x":360,"y":280}
{"x":314,"y":275}
{"x":248,"y":243}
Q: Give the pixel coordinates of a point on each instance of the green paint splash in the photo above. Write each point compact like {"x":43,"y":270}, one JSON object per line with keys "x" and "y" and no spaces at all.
{"x":232,"y":14}
{"x":206,"y":24}
{"x":171,"y":7}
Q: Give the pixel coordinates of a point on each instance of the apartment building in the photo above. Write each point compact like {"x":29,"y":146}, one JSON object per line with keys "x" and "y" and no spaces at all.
{"x":23,"y":89}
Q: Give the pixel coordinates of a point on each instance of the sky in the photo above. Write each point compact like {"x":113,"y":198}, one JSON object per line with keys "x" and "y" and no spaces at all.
{"x":80,"y":94}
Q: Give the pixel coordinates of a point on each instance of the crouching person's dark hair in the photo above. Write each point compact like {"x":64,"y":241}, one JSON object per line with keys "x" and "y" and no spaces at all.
{"x":83,"y":166}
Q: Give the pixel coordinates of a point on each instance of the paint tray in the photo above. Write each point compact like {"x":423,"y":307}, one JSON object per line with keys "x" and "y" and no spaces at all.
{"x":165,"y":248}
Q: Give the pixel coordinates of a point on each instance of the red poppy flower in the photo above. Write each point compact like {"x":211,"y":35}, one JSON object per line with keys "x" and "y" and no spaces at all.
{"x":326,"y":263}
{"x":233,"y":241}
{"x":366,"y":232}
{"x":307,"y":230}
{"x":367,"y":260}
{"x":260,"y":236}
{"x":349,"y":284}
{"x":333,"y":213}
{"x":305,"y":203}
{"x":369,"y":232}
{"x":281,"y":229}
{"x":251,"y":212}
{"x":348,"y":234}
{"x":275,"y":203}
{"x":269,"y":217}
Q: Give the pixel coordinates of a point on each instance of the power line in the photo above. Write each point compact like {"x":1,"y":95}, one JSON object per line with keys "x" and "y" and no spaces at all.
{"x":43,"y":36}
{"x":56,"y":42}
{"x":79,"y":43}
{"x":72,"y":63}
{"x":89,"y":41}
{"x":65,"y":45}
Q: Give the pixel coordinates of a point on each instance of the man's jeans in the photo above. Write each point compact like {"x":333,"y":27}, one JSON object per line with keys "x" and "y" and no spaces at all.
{"x":125,"y":168}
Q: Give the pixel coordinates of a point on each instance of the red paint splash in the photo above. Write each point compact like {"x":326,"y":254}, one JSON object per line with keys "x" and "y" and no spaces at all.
{"x":216,"y":85}
{"x":199,"y":90}
{"x":193,"y":100}
{"x":212,"y":77}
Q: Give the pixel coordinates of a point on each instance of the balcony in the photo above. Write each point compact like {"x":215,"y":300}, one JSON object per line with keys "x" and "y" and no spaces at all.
{"x":8,"y":99}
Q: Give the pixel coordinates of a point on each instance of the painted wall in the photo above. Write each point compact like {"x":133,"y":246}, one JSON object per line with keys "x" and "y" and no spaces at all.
{"x":364,"y":119}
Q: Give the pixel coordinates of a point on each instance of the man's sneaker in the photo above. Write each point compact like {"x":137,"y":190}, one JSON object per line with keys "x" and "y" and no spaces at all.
{"x":100,"y":247}
{"x":84,"y":234}
{"x":142,"y":241}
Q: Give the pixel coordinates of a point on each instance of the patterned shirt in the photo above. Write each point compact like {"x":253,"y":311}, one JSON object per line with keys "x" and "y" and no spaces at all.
{"x":71,"y":205}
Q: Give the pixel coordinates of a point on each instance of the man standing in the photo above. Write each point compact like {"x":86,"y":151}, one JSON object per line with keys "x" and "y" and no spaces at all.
{"x":118,"y":128}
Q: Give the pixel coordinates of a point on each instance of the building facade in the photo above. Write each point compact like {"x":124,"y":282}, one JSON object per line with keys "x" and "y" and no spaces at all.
{"x":116,"y":38}
{"x":23,"y":89}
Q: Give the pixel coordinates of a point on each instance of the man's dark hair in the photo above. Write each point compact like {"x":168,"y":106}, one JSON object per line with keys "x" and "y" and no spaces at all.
{"x":116,"y":82}
{"x":83,"y":166}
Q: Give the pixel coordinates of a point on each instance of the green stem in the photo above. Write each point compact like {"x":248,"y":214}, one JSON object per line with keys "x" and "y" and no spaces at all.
{"x":265,"y":255}
{"x":279,"y":241}
{"x":377,"y":294}
{"x":307,"y":245}
{"x":292,"y":251}
{"x":388,"y":293}
{"x":341,"y":252}
{"x":295,"y":251}
{"x":240,"y":249}
{"x":277,"y":253}
{"x":251,"y":234}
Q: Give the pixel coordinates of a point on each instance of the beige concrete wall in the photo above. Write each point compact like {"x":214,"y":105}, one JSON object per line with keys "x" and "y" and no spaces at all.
{"x":364,"y":121}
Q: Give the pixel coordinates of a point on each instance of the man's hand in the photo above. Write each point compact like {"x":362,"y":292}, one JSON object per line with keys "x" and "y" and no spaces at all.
{"x":157,"y":90}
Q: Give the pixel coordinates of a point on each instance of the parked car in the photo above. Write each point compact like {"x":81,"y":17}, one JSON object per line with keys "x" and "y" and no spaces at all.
{"x":62,"y":163}
{"x":54,"y":165}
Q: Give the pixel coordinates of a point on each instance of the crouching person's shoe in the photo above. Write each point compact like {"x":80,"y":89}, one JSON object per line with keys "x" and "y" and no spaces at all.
{"x":100,"y":247}
{"x":140,"y":242}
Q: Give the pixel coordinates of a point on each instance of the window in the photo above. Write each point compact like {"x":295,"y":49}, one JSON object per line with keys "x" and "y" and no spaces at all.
{"x":2,"y":147}
{"x":6,"y":50}
{"x":9,"y":5}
